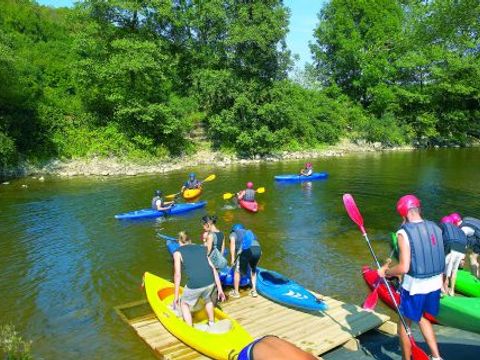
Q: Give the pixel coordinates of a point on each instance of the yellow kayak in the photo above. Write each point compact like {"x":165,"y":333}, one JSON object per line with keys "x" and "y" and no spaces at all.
{"x":189,"y":194}
{"x":224,"y":340}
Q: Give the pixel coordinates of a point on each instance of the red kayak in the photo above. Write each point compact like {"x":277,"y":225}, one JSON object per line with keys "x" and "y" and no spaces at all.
{"x":251,"y":206}
{"x":372,"y":279}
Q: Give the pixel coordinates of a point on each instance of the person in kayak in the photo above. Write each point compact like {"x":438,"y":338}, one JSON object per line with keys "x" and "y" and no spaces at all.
{"x":455,"y":243}
{"x":248,"y":194}
{"x":471,"y":227}
{"x":159,"y":204}
{"x":245,"y":253}
{"x":418,"y":240}
{"x":307,"y":170}
{"x":271,"y":347}
{"x":202,"y":279}
{"x":191,"y":183}
{"x":214,"y":241}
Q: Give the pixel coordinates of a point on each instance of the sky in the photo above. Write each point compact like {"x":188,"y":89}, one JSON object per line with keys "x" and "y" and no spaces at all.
{"x":303,"y":20}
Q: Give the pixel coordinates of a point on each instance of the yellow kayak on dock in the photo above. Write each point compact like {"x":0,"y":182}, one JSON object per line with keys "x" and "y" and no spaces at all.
{"x":224,"y":340}
{"x":190,"y":194}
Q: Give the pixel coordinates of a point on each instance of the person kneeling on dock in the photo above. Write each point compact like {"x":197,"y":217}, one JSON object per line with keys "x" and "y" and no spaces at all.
{"x":245,"y":252}
{"x":422,"y":262}
{"x":271,"y":347}
{"x":202,"y":279}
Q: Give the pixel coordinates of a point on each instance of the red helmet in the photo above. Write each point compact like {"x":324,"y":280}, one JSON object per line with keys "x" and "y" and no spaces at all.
{"x":249,"y":185}
{"x":406,"y":203}
{"x":308,"y":165}
{"x":447,"y":219}
{"x":456,"y":218}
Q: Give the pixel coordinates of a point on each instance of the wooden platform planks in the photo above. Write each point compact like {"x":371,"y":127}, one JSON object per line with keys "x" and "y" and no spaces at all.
{"x":315,"y":333}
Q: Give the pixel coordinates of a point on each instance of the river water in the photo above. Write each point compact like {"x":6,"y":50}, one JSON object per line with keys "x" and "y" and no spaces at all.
{"x":65,"y":262}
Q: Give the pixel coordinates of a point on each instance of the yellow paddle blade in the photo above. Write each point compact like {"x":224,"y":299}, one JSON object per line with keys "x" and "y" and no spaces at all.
{"x":261,"y":190}
{"x":171,"y":196}
{"x":210,"y":178}
{"x":228,"y":196}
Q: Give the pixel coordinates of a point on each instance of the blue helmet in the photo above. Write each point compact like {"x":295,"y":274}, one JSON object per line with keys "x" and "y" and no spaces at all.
{"x":191,"y":175}
{"x":237,"y":227}
{"x":158,"y":193}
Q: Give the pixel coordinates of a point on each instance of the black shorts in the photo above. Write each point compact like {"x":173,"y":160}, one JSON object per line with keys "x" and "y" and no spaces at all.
{"x":250,"y":257}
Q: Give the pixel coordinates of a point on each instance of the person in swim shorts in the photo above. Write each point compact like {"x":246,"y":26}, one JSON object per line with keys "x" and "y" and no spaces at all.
{"x":273,"y":348}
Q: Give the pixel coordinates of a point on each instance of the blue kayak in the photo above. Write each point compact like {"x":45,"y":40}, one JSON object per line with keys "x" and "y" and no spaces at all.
{"x":226,"y":275}
{"x":150,"y":213}
{"x":281,"y":289}
{"x":300,"y":178}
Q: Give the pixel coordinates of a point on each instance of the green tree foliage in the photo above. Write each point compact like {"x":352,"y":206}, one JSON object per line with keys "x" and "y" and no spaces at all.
{"x":412,"y":65}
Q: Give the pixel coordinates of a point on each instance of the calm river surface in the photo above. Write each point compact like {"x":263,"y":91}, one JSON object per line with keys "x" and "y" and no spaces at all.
{"x":65,"y":262}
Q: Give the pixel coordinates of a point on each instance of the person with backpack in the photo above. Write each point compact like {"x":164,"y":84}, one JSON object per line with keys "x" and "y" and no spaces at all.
{"x":214,"y":241}
{"x":471,"y":227}
{"x":245,"y":253}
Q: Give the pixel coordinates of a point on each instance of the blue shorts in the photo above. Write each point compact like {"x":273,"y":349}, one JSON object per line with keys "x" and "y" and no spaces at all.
{"x":413,"y":306}
{"x":247,"y":351}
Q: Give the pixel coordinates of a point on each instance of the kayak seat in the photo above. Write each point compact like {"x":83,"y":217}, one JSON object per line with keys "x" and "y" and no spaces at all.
{"x":220,"y":327}
{"x":275,"y":279}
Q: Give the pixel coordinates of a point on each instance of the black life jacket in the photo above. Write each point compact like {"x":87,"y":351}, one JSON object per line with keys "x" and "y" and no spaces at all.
{"x":426,"y":249}
{"x":453,"y":238}
{"x":473,"y":240}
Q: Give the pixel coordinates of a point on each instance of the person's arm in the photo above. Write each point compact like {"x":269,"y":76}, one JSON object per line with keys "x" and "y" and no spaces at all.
{"x":183,"y":189}
{"x":232,"y":248}
{"x":221,"y":295}
{"x":177,"y":275}
{"x":404,"y":260}
{"x":240,"y":194}
{"x":223,"y":246}
{"x":209,"y":243}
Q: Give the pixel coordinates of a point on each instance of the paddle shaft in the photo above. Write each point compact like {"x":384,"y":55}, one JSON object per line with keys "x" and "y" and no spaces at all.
{"x":402,"y":319}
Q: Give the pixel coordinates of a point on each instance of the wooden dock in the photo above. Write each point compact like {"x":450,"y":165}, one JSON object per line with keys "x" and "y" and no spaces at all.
{"x":316,"y":333}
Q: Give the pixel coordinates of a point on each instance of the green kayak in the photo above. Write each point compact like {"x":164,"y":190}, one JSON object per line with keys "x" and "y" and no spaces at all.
{"x":466,"y":283}
{"x":460,"y":312}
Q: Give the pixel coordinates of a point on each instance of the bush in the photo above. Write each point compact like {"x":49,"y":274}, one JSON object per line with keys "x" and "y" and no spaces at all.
{"x":12,"y":346}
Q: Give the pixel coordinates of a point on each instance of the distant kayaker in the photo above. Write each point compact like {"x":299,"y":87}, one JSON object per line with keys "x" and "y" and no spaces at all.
{"x":422,"y":263}
{"x":202,"y":279}
{"x":245,"y":253}
{"x":191,"y":183}
{"x":307,"y":170}
{"x":455,"y":244}
{"x":471,"y":228}
{"x":159,"y":204}
{"x":214,"y":241}
{"x":248,"y":194}
{"x":271,"y":347}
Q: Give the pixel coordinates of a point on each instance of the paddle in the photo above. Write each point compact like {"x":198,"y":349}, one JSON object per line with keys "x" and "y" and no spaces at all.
{"x":354,"y":213}
{"x":207,"y":179}
{"x":166,"y":237}
{"x":372,"y":299}
{"x":228,"y":196}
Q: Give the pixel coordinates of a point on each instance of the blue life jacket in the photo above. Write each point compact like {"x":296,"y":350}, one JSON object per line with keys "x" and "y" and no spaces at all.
{"x":249,"y":195}
{"x":245,"y":239}
{"x":473,"y":240}
{"x":426,"y":249}
{"x":154,"y":202}
{"x":189,"y":184}
{"x":453,"y":238}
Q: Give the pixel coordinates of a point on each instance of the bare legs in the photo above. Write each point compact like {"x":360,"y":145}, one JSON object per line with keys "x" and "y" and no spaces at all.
{"x":428,"y":334}
{"x":474,"y":268}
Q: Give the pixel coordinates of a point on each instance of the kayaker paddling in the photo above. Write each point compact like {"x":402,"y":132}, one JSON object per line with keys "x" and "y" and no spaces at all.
{"x":214,"y":241}
{"x":455,"y":244}
{"x":245,"y":253}
{"x":159,"y":204}
{"x":471,"y":227}
{"x":248,"y":194}
{"x":202,"y":279}
{"x":307,"y":170}
{"x":418,"y":240}
{"x":191,"y":183}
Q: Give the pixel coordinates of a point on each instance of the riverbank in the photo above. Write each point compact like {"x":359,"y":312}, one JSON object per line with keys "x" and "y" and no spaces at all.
{"x":120,"y":167}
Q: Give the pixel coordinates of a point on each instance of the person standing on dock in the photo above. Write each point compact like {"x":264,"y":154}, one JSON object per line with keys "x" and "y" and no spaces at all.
{"x":202,"y":279}
{"x":214,"y":241}
{"x":245,"y":252}
{"x":422,"y":263}
{"x":471,"y":227}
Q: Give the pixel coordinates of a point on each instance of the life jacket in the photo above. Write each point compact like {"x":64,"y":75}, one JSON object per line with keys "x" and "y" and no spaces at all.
{"x":308,"y":171}
{"x":473,"y":240}
{"x":218,"y":238}
{"x":249,"y":195}
{"x":191,"y":184}
{"x":245,"y":239}
{"x":154,"y":202}
{"x":426,"y":249}
{"x":453,"y":238}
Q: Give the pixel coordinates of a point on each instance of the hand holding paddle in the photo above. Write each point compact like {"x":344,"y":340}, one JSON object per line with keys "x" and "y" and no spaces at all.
{"x":207,"y":179}
{"x":228,"y":196}
{"x":354,"y":213}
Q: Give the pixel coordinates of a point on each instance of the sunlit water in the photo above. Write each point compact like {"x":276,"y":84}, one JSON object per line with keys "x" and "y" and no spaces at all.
{"x":65,"y":262}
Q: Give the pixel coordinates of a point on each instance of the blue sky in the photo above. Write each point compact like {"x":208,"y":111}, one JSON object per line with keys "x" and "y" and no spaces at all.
{"x":302,"y":22}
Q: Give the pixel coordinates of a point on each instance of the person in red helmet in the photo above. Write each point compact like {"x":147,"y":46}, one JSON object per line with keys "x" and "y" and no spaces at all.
{"x":455,"y":244}
{"x":307,"y":170}
{"x":422,"y":263}
{"x":248,"y":194}
{"x":471,"y":227}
